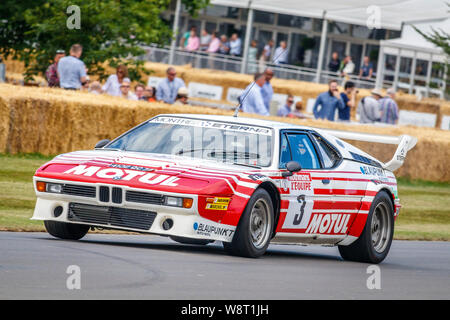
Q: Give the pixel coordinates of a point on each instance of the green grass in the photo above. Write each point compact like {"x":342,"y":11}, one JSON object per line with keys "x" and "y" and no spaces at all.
{"x":425,"y":213}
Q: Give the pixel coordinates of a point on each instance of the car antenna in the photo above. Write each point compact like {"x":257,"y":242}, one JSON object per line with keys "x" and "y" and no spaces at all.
{"x":241,"y":101}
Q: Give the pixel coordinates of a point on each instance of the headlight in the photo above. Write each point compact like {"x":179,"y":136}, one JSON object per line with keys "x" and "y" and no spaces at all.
{"x":54,"y":188}
{"x":178,"y":202}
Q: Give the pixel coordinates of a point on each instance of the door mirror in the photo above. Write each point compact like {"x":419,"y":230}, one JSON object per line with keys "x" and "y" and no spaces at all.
{"x":102,"y":143}
{"x":291,"y":167}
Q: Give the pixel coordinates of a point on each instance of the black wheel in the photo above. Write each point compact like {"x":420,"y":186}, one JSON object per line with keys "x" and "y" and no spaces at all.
{"x":64,"y":230}
{"x":254,"y":230}
{"x":184,"y":240}
{"x":376,"y":238}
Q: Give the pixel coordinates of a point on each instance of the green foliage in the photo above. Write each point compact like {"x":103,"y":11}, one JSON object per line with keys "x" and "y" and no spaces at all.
{"x":111,"y":31}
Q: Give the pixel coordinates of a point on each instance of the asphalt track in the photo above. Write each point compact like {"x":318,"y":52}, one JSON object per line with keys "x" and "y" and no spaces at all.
{"x":34,"y":266}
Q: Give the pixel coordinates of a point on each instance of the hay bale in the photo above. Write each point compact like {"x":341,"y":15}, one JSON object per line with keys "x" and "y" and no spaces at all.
{"x":4,"y":123}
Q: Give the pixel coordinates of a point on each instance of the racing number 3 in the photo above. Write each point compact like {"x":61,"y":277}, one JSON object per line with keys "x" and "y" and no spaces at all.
{"x":298,"y":216}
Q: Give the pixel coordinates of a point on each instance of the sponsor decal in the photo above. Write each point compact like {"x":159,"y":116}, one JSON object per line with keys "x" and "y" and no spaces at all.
{"x":300,"y":182}
{"x":217,"y":203}
{"x":124,"y":175}
{"x":124,"y":166}
{"x":214,"y":124}
{"x":372,"y":171}
{"x":256,"y":176}
{"x":209,"y":230}
{"x":329,"y":223}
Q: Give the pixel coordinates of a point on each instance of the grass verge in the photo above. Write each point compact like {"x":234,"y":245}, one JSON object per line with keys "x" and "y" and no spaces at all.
{"x":425,"y":214}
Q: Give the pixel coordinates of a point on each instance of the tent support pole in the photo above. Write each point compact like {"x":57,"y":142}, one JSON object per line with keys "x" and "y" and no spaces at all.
{"x":248,"y":35}
{"x":412,"y":75}
{"x":397,"y":69}
{"x":380,"y":68}
{"x":323,"y":40}
{"x":176,"y":22}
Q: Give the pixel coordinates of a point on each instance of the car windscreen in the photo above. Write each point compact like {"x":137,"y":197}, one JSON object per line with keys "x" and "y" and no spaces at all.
{"x":203,"y":139}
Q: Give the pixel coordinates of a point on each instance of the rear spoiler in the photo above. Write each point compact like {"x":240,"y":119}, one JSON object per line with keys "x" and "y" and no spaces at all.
{"x":404,"y":142}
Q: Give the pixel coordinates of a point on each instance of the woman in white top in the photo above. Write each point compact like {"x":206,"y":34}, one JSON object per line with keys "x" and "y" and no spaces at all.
{"x":112,"y":85}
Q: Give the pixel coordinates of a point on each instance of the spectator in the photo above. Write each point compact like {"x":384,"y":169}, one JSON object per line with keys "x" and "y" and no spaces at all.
{"x":252,"y":57}
{"x":95,"y":88}
{"x":224,"y":47}
{"x":348,"y":67}
{"x":193,"y":43}
{"x":2,"y":71}
{"x":125,"y":90}
{"x":168,"y":88}
{"x":235,"y":45}
{"x":369,"y":107}
{"x":366,"y":69}
{"x":185,"y":37}
{"x":329,"y":102}
{"x":349,"y":99}
{"x":182,"y":96}
{"x":205,"y":39}
{"x":389,"y":108}
{"x":139,"y":91}
{"x":150,"y":94}
{"x":114,"y":81}
{"x":252,"y":99}
{"x":86,"y":84}
{"x":214,"y":44}
{"x":71,"y":70}
{"x":52,"y":71}
{"x":287,"y":108}
{"x":298,"y":112}
{"x":265,"y":55}
{"x":267,"y":90}
{"x":334,"y":63}
{"x":281,"y":54}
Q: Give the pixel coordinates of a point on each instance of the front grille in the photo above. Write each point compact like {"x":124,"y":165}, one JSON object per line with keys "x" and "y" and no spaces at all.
{"x":77,"y":190}
{"x":111,"y":216}
{"x":104,"y":194}
{"x":144,"y":197}
{"x":117,"y":195}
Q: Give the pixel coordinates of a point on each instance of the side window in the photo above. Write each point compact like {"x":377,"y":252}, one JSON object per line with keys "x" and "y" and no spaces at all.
{"x":329,"y":155}
{"x":302,"y":151}
{"x":285,"y":153}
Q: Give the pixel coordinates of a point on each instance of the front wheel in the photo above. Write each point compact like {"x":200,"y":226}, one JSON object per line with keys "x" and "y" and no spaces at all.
{"x":254,"y":231}
{"x":68,"y":231}
{"x":375,"y":241}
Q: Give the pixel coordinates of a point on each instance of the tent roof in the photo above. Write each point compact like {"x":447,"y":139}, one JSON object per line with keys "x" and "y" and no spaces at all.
{"x":392,"y":12}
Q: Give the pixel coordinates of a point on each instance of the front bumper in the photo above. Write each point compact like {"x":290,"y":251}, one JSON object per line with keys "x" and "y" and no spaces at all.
{"x":128,"y":215}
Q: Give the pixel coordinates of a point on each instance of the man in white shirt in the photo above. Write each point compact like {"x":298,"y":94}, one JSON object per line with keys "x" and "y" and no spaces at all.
{"x":168,"y":88}
{"x":252,"y":99}
{"x":281,"y":54}
{"x":235,"y":45}
{"x":125,"y":90}
{"x":369,"y":107}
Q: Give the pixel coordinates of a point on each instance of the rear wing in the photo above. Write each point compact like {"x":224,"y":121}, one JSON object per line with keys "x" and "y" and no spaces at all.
{"x":404,"y":142}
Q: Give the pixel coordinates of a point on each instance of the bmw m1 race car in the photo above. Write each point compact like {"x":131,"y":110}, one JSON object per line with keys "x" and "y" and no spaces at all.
{"x":245,"y":182}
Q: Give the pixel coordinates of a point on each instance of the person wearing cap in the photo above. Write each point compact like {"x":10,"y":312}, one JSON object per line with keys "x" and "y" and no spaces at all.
{"x":182,"y":96}
{"x":168,"y":88}
{"x":327,"y":102}
{"x":125,"y":90}
{"x":389,"y":108}
{"x":252,"y":99}
{"x":349,"y":99}
{"x":52,"y":71}
{"x":369,"y":107}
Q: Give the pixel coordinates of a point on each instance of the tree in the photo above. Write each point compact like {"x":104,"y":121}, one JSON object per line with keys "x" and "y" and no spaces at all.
{"x":111,"y":31}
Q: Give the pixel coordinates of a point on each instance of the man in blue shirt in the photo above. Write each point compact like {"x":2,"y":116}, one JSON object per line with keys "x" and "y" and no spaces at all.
{"x":235,"y":45}
{"x":71,"y":70}
{"x":349,"y":99}
{"x":287,"y":108}
{"x":267,"y":90}
{"x":328,"y":101}
{"x":168,"y":88}
{"x":252,"y":99}
{"x":366,"y":69}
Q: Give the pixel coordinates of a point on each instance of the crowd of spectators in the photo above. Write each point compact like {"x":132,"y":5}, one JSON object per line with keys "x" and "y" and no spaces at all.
{"x":70,"y":73}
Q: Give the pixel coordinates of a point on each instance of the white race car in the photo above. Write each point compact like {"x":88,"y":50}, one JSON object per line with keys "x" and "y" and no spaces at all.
{"x":245,"y":182}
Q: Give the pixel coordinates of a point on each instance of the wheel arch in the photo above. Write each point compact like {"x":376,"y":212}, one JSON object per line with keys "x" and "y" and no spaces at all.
{"x":272,"y":190}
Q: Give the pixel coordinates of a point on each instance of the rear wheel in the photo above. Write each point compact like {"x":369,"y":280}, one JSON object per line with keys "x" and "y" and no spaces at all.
{"x":67,"y":231}
{"x":375,"y":241}
{"x":184,"y":240}
{"x":254,"y":231}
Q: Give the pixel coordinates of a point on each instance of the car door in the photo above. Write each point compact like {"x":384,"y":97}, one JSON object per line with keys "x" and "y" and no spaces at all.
{"x":297,"y":190}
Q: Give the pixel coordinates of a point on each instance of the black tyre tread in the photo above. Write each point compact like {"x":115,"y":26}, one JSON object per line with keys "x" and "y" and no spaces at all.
{"x":361,"y":250}
{"x":184,"y":240}
{"x":240,"y":245}
{"x":67,"y":231}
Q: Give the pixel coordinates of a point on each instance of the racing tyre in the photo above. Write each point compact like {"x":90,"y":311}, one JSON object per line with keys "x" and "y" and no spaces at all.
{"x":254,"y":230}
{"x":375,"y":241}
{"x":184,"y":240}
{"x":68,"y":231}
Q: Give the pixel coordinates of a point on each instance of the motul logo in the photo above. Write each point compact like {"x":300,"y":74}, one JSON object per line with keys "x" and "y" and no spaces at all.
{"x":328,"y":223}
{"x":124,"y":174}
